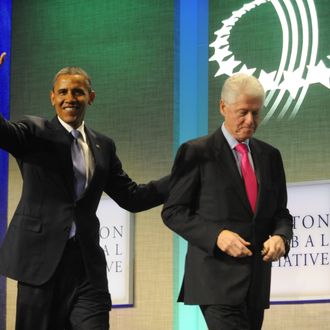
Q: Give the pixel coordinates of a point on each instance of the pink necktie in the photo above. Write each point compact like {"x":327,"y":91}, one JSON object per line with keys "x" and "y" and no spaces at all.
{"x":248,"y":175}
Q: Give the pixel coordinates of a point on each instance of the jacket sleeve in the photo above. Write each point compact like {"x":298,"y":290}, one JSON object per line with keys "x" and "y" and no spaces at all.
{"x":13,"y":136}
{"x":282,"y":218}
{"x":130,"y":195}
{"x":180,"y":212}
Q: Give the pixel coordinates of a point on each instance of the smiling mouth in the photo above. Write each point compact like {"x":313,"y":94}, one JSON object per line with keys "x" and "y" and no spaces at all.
{"x":70,"y":108}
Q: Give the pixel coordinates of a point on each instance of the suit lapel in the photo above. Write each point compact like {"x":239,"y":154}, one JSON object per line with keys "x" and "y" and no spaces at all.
{"x":260,"y":166}
{"x":63,"y":140}
{"x":227,"y":163}
{"x":96,"y":150}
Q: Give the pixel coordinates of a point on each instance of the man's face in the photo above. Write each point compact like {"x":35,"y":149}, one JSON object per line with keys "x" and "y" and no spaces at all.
{"x":70,"y":98}
{"x":242,"y":116}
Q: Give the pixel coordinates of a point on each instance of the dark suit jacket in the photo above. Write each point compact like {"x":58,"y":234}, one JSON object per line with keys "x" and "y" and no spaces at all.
{"x":207,"y":195}
{"x":39,"y":230}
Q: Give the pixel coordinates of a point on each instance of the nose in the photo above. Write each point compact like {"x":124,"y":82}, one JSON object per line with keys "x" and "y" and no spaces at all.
{"x":249,"y":118}
{"x":70,"y":97}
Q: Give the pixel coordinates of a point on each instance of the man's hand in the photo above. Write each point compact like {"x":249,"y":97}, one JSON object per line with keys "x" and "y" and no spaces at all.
{"x":274,"y":248}
{"x":232,"y":244}
{"x":2,"y":57}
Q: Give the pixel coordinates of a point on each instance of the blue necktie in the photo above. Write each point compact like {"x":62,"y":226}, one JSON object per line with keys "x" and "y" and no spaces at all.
{"x":79,"y":166}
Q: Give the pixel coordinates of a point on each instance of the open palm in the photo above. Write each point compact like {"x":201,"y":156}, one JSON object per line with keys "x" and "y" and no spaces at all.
{"x":2,"y":58}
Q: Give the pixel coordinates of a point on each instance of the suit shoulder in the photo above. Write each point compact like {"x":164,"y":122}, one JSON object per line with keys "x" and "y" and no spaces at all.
{"x":194,"y":149}
{"x":102,"y":139}
{"x":200,"y":144}
{"x":264,"y":145}
{"x":101,"y":136}
{"x":35,"y":121}
{"x":266,"y":149}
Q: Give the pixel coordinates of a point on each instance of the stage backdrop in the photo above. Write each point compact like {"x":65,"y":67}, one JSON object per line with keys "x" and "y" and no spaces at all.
{"x":128,"y":48}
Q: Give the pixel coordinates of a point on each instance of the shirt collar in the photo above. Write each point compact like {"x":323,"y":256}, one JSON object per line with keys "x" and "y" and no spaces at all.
{"x":231,"y":140}
{"x":81,"y":128}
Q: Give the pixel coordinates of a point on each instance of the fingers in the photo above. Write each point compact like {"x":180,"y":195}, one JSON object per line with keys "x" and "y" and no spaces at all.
{"x":235,"y":246}
{"x":273,"y":249}
{"x":271,"y":256}
{"x":232,"y":244}
{"x":2,"y":57}
{"x":244,"y":242}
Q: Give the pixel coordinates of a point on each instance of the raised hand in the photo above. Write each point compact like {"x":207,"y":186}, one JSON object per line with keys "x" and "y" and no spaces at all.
{"x":2,"y":57}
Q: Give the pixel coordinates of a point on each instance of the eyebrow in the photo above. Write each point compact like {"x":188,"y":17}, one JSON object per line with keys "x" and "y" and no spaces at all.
{"x":76,"y":89}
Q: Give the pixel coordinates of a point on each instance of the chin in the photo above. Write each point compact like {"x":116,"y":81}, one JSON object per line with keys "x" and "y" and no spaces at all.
{"x":70,"y":120}
{"x":244,"y":137}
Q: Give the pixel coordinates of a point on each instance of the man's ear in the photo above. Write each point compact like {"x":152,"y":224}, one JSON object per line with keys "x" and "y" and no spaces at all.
{"x":52,"y":96}
{"x":91,"y":97}
{"x":222,"y":107}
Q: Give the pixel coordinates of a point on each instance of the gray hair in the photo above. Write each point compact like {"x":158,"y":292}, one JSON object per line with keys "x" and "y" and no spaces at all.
{"x":74,"y":70}
{"x":241,"y":83}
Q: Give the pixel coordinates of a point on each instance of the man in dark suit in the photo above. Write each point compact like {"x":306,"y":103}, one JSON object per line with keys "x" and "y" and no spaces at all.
{"x":228,"y":200}
{"x":52,"y":244}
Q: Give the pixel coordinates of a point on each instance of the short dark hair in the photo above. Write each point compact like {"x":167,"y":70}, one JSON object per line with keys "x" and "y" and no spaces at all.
{"x":74,"y":70}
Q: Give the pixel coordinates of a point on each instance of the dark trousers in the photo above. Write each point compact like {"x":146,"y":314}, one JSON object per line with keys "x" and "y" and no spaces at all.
{"x":225,"y":317}
{"x":67,"y":301}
